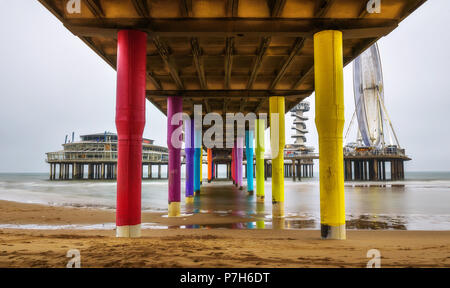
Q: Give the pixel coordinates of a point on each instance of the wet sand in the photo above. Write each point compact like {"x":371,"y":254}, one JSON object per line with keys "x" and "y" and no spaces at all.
{"x":202,"y":247}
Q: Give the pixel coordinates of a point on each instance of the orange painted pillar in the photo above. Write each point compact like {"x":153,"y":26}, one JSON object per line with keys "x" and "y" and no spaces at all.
{"x":210,"y":165}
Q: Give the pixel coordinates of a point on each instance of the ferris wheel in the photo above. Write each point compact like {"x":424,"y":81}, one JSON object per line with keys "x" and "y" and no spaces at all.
{"x":370,"y":111}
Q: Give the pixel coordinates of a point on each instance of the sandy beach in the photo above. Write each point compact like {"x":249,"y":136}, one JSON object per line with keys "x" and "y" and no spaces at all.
{"x":202,"y":247}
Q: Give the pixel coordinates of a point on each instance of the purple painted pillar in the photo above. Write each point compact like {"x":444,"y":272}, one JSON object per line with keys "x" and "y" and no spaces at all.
{"x":236,"y":170}
{"x":189,"y":150}
{"x":174,"y":106}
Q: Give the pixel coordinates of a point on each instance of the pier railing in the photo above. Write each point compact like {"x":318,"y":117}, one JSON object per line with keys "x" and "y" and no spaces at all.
{"x":100,"y":156}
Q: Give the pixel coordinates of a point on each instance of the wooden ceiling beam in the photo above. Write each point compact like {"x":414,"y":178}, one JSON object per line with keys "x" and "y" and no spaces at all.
{"x":276,"y":7}
{"x":141,"y":8}
{"x":303,"y":77}
{"x":168,"y":61}
{"x":198,"y":62}
{"x":192,"y":27}
{"x":322,"y":8}
{"x":298,"y":45}
{"x":229,"y":45}
{"x":265,"y":43}
{"x":95,"y":7}
{"x":220,"y":94}
{"x":232,"y":8}
{"x":186,"y":8}
{"x":154,"y":80}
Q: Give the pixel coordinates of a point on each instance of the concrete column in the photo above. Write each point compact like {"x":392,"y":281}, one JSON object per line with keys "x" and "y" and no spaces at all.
{"x":329,"y":85}
{"x":277,"y":141}
{"x":130,"y":122}
{"x":190,"y":151}
{"x":249,"y":155}
{"x":174,"y":126}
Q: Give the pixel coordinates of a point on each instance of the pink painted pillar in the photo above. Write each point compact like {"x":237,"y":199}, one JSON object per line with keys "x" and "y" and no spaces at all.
{"x":130,"y":122}
{"x":174,"y":106}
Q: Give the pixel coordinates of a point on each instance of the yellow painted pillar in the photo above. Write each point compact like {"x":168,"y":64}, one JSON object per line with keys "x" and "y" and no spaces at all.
{"x":329,"y":85}
{"x":276,"y":107}
{"x":260,"y":148}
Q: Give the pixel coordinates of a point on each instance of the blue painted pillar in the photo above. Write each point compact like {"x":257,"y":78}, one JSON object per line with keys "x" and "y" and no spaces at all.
{"x":189,"y":150}
{"x":249,"y":155}
{"x":197,"y":155}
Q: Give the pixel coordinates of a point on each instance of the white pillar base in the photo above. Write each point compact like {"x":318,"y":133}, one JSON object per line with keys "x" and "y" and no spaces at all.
{"x":333,"y":232}
{"x":129,"y":231}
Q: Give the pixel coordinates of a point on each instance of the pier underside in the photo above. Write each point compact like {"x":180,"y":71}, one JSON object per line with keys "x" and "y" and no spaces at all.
{"x":230,"y":56}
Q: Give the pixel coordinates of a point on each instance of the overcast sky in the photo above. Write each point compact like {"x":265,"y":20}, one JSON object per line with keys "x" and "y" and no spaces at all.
{"x":51,"y":84}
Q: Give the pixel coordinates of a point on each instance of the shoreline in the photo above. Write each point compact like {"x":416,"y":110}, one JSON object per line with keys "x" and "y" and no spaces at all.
{"x":202,"y":247}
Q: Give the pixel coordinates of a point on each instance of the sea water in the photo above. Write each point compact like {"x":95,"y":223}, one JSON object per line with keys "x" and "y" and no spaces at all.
{"x":420,"y":202}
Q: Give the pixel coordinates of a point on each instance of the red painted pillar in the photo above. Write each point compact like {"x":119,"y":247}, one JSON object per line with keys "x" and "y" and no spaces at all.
{"x":130,"y":122}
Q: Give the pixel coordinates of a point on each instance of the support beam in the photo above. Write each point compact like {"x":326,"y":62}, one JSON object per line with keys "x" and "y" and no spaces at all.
{"x":168,"y":61}
{"x":354,"y":28}
{"x":265,"y":43}
{"x":232,"y":8}
{"x":329,"y":83}
{"x":154,"y":80}
{"x":277,"y":141}
{"x":141,"y":8}
{"x":298,"y":45}
{"x":228,"y":60}
{"x":186,"y":8}
{"x":130,"y":122}
{"x":95,"y":7}
{"x":198,"y":62}
{"x":249,"y":156}
{"x":322,"y":8}
{"x":174,"y":106}
{"x":276,"y":7}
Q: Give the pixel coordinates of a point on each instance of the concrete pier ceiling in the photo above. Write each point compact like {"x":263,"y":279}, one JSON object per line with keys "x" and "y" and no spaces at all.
{"x":229,"y":55}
